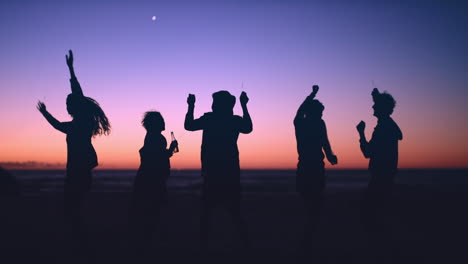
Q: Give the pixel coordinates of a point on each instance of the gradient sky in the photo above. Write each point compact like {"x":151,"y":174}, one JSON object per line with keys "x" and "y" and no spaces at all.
{"x":416,"y":50}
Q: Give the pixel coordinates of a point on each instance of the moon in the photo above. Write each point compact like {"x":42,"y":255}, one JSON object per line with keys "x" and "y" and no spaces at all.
{"x":153,"y":18}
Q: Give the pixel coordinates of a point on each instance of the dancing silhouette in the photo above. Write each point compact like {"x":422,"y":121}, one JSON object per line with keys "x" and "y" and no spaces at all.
{"x":149,"y":191}
{"x":382,"y":150}
{"x":312,"y":141}
{"x":88,"y":121}
{"x":220,"y":158}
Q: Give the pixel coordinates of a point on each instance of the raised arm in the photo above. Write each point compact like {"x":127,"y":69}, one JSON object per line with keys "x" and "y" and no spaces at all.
{"x":326,"y":146}
{"x":60,"y":126}
{"x":246,"y":125}
{"x":75,"y":85}
{"x":301,"y":111}
{"x":190,"y":123}
{"x":365,"y":146}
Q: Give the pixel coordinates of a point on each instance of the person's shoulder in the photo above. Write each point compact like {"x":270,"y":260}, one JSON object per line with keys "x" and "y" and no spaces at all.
{"x":396,"y":129}
{"x":149,"y":139}
{"x":298,"y":121}
{"x":390,"y":128}
{"x":207,"y":115}
{"x":79,"y":126}
{"x":162,"y":138}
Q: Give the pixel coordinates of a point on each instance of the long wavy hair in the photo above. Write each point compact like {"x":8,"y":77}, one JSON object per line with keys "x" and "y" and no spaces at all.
{"x":86,"y":108}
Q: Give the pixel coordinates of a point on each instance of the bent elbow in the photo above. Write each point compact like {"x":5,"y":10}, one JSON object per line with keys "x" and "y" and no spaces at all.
{"x":189,"y":127}
{"x":247,"y":130}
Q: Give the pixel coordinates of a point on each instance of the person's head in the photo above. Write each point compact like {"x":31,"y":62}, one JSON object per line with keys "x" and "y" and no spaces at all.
{"x":153,"y":122}
{"x":223,"y":102}
{"x":314,"y":109}
{"x":88,"y":110}
{"x":383,"y":103}
{"x":74,"y":103}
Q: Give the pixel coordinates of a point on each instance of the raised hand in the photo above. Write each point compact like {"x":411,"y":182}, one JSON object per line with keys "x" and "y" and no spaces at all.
{"x":375,"y":92}
{"x":361,"y":127}
{"x":41,"y":107}
{"x":315,"y":89}
{"x":191,"y":99}
{"x":243,"y":98}
{"x":69,"y":59}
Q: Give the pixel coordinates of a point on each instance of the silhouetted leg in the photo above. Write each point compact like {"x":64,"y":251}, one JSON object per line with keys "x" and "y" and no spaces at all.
{"x":205,"y":223}
{"x":373,"y":215}
{"x":312,"y":196}
{"x":77,"y":238}
{"x":77,"y":183}
{"x":73,"y":200}
{"x":233,"y":207}
{"x":144,"y":219}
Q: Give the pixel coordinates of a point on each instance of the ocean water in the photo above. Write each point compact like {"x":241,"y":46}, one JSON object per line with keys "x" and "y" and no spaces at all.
{"x":38,"y":181}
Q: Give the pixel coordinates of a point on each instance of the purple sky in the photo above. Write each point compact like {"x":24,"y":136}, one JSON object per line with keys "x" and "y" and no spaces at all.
{"x":415,"y":50}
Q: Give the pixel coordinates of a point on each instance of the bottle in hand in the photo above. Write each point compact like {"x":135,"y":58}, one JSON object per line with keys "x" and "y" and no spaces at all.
{"x":173,"y":139}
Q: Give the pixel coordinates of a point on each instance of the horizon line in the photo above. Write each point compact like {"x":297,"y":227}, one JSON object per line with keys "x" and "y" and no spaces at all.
{"x":245,"y":169}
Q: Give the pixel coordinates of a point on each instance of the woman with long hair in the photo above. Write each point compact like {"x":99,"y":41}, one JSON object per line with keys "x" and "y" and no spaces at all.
{"x":88,"y":120}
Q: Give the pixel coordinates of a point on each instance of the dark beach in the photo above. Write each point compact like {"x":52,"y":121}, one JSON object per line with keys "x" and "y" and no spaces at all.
{"x":427,"y":218}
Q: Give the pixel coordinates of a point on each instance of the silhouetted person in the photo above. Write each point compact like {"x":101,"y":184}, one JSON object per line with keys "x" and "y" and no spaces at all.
{"x":220,"y":158}
{"x":149,"y":190}
{"x":8,"y":184}
{"x":382,"y":150}
{"x":312,"y":141}
{"x":88,"y":121}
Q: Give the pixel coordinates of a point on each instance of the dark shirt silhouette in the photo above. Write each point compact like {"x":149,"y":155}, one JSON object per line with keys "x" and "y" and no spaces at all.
{"x":312,"y":140}
{"x":382,"y":149}
{"x":149,"y":191}
{"x":155,"y":167}
{"x":220,"y":157}
{"x":311,"y":134}
{"x":80,"y":151}
{"x":154,"y":154}
{"x":219,"y":152}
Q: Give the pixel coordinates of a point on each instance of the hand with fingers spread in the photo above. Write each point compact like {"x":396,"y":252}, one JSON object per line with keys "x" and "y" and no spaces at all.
{"x":41,"y":107}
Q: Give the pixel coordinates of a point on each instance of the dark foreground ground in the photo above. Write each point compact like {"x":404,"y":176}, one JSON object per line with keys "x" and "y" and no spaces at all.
{"x":428,"y":225}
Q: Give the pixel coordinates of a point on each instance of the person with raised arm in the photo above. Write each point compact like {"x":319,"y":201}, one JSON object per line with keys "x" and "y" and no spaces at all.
{"x":312,"y":142}
{"x":88,"y":120}
{"x":220,"y":158}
